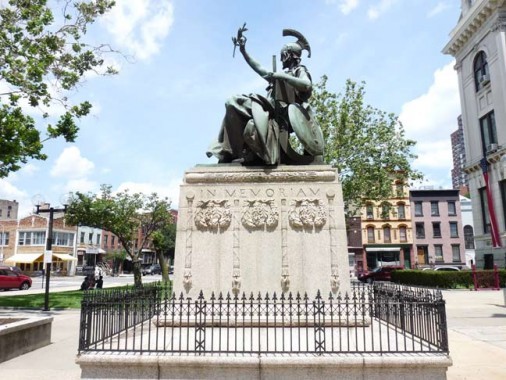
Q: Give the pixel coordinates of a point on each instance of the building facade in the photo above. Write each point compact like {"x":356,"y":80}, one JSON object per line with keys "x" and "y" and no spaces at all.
{"x":387,"y":230}
{"x":478,"y":43}
{"x":459,"y":176}
{"x":438,"y":228}
{"x":466,"y":207}
{"x":30,"y":245}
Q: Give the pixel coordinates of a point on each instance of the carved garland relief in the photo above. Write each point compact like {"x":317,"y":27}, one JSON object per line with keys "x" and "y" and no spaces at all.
{"x":260,"y":214}
{"x":307,"y":213}
{"x":213,"y":215}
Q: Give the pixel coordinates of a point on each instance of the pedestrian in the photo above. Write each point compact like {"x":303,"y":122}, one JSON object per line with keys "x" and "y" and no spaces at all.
{"x":91,"y":281}
{"x":100,"y":282}
{"x":85,"y":285}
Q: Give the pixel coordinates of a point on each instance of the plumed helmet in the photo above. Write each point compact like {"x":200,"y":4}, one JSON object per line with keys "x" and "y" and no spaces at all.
{"x":291,"y":48}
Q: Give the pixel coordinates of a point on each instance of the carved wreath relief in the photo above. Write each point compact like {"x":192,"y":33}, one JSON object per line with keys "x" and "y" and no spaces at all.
{"x":260,"y":214}
{"x":307,"y":213}
{"x":213,"y":215}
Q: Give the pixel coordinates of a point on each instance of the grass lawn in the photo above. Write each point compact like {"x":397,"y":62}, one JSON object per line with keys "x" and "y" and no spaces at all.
{"x":60,"y":300}
{"x":57,"y":300}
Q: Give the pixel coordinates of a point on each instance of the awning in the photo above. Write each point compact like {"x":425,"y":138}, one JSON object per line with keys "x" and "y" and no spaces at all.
{"x":94,"y":251}
{"x":382,"y":249}
{"x":24,"y":258}
{"x":64,"y":256}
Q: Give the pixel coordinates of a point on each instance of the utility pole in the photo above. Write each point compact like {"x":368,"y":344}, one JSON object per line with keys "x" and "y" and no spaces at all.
{"x":49,"y":246}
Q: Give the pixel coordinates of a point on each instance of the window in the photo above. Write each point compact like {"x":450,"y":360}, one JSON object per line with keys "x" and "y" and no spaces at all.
{"x":370,"y":234}
{"x":106,"y":237}
{"x":386,"y":235}
{"x":369,"y":211}
{"x":438,"y":252}
{"x":452,"y":210}
{"x":98,"y":239}
{"x":456,"y":253}
{"x":401,"y":211}
{"x":32,"y":238}
{"x":399,"y":189}
{"x":469,"y":237}
{"x":434,"y":208}
{"x":385,"y":210}
{"x":484,"y":210}
{"x":81,"y":240}
{"x":418,"y":209}
{"x":402,"y":234}
{"x":63,"y":239}
{"x":480,"y":70}
{"x":4,"y":238}
{"x":488,"y":132}
{"x":454,"y":232}
{"x":436,"y":229}
{"x":112,"y":241}
{"x":420,"y":230}
{"x":502,"y":189}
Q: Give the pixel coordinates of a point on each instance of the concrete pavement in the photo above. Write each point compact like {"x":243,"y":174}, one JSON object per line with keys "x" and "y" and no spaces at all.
{"x":476,"y":324}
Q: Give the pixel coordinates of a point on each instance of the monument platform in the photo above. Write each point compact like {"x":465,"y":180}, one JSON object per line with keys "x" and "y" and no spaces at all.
{"x":261,"y":229}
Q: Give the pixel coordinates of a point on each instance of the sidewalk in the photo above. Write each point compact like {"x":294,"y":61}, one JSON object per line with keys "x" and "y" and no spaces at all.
{"x":476,"y":325}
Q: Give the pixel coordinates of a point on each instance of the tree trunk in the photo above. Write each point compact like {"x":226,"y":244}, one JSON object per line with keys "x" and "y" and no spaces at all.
{"x":164,"y":266}
{"x":137,"y":271}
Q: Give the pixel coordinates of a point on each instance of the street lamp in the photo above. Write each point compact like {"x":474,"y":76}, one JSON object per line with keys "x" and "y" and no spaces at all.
{"x":49,"y":246}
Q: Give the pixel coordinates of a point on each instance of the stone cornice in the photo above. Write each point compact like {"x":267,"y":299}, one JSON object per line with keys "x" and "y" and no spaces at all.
{"x":480,"y":13}
{"x":491,"y":159}
{"x":239,"y":174}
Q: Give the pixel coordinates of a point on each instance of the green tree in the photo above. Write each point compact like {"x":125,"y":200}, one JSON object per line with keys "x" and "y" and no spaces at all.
{"x":123,"y":214}
{"x":41,"y":59}
{"x":367,"y":146}
{"x":164,"y":240}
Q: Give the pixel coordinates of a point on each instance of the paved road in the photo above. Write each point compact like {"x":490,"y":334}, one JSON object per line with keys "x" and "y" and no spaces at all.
{"x":58,"y":284}
{"x":476,"y":326}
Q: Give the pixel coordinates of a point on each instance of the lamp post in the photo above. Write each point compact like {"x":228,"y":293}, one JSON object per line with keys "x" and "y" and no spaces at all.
{"x":49,"y":245}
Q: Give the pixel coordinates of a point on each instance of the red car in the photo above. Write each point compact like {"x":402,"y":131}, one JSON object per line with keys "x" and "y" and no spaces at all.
{"x":380,"y":274}
{"x":10,"y":279}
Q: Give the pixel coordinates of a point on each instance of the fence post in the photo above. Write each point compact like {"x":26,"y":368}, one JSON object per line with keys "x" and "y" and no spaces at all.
{"x":200,"y":324}
{"x":475,"y":277}
{"x":319,"y":324}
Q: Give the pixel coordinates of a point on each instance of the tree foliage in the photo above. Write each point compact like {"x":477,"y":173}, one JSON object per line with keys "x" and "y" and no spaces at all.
{"x":367,"y":146}
{"x":122,"y":214}
{"x":43,"y":56}
{"x":164,"y":240}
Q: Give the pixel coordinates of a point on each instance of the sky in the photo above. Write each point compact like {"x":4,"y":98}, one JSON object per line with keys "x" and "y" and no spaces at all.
{"x":156,"y":118}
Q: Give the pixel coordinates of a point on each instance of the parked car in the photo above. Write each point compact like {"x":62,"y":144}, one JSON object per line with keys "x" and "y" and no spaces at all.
{"x":10,"y":279}
{"x":15,"y":269}
{"x":447,"y":268}
{"x":156,"y":269}
{"x":380,"y":274}
{"x":146,"y":269}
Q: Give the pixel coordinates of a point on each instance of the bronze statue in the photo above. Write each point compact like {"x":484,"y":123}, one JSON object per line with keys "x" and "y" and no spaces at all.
{"x":256,"y":129}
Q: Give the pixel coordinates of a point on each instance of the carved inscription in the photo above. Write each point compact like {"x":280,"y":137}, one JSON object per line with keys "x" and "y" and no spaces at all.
{"x":213,"y":215}
{"x":260,"y":214}
{"x":307,"y":213}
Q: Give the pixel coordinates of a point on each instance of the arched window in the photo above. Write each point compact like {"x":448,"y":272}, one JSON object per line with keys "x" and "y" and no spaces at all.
{"x":370,"y":234}
{"x":402,"y":234}
{"x":469,"y":237}
{"x":401,"y":211}
{"x":369,"y":211}
{"x":387,"y":236}
{"x":481,"y":74}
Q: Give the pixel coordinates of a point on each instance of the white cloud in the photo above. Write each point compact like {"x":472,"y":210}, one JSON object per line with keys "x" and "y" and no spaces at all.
{"x":439,"y":8}
{"x":140,"y":25}
{"x":169,"y":189}
{"x":345,"y":6}
{"x":70,"y":164}
{"x":430,"y":119}
{"x":82,"y":185}
{"x":377,"y":10}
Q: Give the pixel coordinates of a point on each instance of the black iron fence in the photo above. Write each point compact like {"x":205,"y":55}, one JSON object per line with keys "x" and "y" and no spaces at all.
{"x":381,"y":318}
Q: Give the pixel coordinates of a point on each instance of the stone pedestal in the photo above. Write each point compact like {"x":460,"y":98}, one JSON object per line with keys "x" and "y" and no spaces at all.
{"x":261,"y":229}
